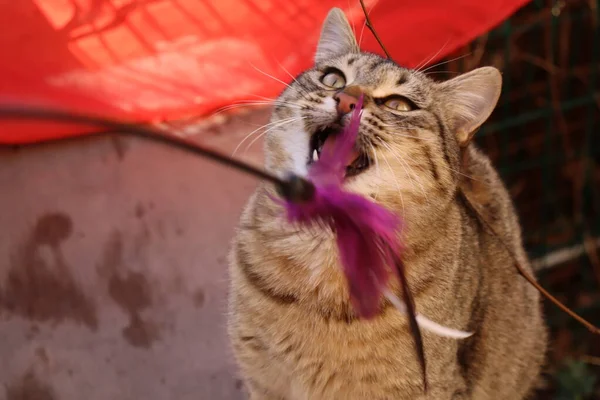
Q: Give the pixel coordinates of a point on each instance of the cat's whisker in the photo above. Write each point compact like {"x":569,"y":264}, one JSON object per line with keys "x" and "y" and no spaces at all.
{"x":465,"y":175}
{"x":246,"y":104}
{"x":444,"y":166}
{"x":268,"y":101}
{"x":365,"y":22}
{"x":293,"y":104}
{"x":254,"y":131}
{"x":414,"y":137}
{"x":443,"y":72}
{"x":278,"y":101}
{"x":407,"y":169}
{"x":249,"y":135}
{"x":353,"y":24}
{"x":424,"y":63}
{"x":424,"y":139}
{"x":377,"y":170}
{"x":264,"y":97}
{"x":277,"y":125}
{"x":237,"y":105}
{"x":276,"y":79}
{"x":305,"y":89}
{"x":446,"y":62}
{"x":397,"y":134}
{"x":416,"y":178}
{"x":282,"y":124}
{"x":468,"y":176}
{"x":396,"y":182}
{"x":362,"y":30}
{"x":398,"y":156}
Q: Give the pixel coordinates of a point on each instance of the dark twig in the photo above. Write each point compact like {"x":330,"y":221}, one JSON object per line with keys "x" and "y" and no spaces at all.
{"x":592,"y":252}
{"x":412,"y":320}
{"x":373,"y":31}
{"x":522,"y":271}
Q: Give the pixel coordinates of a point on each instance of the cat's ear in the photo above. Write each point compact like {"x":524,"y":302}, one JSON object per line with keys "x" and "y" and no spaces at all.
{"x":470,"y":99}
{"x":336,"y":38}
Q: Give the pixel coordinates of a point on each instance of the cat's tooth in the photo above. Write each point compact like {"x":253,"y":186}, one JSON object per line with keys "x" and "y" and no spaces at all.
{"x":315,"y":155}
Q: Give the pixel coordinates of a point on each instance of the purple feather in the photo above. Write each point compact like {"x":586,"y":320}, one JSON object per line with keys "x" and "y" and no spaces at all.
{"x":366,"y":233}
{"x":367,"y":236}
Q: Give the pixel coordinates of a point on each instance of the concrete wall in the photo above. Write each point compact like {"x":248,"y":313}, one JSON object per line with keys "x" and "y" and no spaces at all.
{"x":113,"y":274}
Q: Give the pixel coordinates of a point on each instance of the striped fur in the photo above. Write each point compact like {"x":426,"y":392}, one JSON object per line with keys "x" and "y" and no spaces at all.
{"x":292,"y":329}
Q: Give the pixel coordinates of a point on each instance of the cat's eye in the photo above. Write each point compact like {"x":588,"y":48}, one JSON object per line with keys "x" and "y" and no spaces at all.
{"x":398,"y":103}
{"x":334,"y":79}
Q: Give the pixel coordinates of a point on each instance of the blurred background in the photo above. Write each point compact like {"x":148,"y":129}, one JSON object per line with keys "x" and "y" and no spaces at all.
{"x":113,"y":272}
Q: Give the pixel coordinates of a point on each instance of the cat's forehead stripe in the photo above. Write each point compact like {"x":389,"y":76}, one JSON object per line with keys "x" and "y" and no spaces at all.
{"x":393,"y":83}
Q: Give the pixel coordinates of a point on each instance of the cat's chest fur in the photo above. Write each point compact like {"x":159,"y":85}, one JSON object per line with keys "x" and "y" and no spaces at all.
{"x":298,"y":316}
{"x":309,"y":356}
{"x":294,"y":333}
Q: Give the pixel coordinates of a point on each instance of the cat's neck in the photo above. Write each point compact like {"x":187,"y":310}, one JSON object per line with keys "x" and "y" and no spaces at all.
{"x":426,"y":238}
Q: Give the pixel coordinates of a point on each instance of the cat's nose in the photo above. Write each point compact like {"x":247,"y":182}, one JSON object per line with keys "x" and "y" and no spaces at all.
{"x":345,"y":102}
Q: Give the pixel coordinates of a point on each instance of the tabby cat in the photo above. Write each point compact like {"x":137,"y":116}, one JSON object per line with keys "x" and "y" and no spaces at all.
{"x":292,"y":328}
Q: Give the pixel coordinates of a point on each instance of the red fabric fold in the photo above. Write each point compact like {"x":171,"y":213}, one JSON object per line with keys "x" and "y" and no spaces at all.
{"x":156,"y":60}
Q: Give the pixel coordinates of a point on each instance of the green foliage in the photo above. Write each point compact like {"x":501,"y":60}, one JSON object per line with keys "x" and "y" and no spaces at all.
{"x":574,"y":381}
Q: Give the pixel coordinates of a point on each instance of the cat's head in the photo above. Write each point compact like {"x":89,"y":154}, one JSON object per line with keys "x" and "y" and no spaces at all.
{"x":412,"y":128}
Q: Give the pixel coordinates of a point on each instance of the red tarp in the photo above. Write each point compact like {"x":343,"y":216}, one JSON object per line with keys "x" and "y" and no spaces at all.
{"x":154,"y":60}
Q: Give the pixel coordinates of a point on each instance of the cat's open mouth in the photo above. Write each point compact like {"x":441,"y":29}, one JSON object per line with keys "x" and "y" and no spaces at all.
{"x":360,"y":162}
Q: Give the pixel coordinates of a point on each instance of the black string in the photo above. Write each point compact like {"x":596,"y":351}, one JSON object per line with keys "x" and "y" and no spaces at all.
{"x":124,"y":128}
{"x":412,"y":321}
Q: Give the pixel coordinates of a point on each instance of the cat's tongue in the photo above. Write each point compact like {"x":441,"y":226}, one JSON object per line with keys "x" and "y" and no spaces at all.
{"x":330,"y":147}
{"x":339,"y":150}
